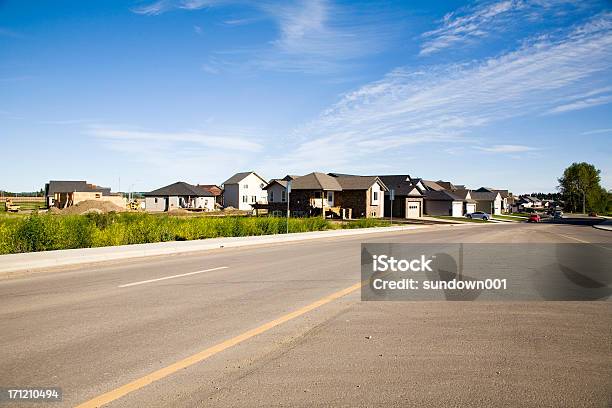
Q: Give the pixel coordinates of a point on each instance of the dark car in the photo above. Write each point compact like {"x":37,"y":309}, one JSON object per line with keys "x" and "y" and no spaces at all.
{"x":592,"y":214}
{"x":534,"y":218}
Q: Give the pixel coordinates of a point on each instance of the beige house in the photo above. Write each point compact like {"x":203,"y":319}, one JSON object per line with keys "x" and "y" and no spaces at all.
{"x":62,"y":194}
{"x":180,"y":195}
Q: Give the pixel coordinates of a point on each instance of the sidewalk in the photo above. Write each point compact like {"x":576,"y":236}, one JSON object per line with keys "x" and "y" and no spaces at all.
{"x":606,"y":225}
{"x":49,"y":259}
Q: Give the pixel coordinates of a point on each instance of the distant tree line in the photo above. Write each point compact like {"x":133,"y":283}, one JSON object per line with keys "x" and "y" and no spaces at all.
{"x":39,"y":193}
{"x":547,"y":196}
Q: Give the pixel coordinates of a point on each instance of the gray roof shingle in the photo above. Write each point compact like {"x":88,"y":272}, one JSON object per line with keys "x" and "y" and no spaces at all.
{"x":401,"y":183}
{"x":238,"y":177}
{"x":441,"y":195}
{"x":70,"y":186}
{"x":180,"y":188}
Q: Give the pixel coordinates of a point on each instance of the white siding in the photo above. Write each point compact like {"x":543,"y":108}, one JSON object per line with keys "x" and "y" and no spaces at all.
{"x":376,"y":191}
{"x":205,"y":202}
{"x":250,"y":187}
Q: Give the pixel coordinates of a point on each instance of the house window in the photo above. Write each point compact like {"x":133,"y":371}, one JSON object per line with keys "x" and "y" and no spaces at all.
{"x":330,"y":198}
{"x":317,"y":194}
{"x":271,"y":195}
{"x":98,"y":195}
{"x":284,"y":196}
{"x":244,"y":199}
{"x":155,"y":200}
{"x":375,"y":195}
{"x":253,"y":199}
{"x":245,"y":186}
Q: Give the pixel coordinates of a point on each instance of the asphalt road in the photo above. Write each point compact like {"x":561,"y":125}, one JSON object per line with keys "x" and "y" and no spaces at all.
{"x":264,"y":331}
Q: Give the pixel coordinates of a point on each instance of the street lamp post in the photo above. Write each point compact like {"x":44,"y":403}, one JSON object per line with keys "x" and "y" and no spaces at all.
{"x":288,"y":192}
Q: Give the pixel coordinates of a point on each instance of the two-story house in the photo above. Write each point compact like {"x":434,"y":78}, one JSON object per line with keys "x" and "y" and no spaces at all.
{"x":242,"y":190}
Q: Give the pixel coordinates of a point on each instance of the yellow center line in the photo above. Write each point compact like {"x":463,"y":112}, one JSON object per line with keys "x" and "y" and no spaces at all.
{"x":204,"y":354}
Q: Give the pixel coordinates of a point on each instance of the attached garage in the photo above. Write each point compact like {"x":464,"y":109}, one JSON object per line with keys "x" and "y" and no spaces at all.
{"x":413,"y":209}
{"x":443,"y":203}
{"x":457,"y":209}
{"x":470,"y":208}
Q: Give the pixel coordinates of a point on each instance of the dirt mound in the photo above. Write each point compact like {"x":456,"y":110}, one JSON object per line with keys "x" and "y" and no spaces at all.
{"x":89,"y":206}
{"x":178,"y":211}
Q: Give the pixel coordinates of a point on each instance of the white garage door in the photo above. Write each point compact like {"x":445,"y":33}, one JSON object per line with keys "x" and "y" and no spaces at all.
{"x":457,"y":209}
{"x":413,"y":209}
{"x":470,"y":208}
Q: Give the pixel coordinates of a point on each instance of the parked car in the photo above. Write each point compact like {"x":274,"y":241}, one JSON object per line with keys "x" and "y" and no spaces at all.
{"x":534,"y":218}
{"x":558,"y":215}
{"x":592,"y":214}
{"x":479,"y":215}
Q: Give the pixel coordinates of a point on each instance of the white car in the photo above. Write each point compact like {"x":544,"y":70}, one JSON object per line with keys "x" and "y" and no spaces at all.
{"x":479,"y":215}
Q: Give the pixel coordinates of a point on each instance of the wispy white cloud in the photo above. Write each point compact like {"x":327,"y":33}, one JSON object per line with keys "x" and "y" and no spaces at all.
{"x":506,"y":148}
{"x":447,"y":103}
{"x":197,"y":29}
{"x":172,"y":140}
{"x":193,"y":156}
{"x":315,"y":36}
{"x":162,"y":6}
{"x":240,"y":21}
{"x":597,"y":131}
{"x":485,"y":18}
{"x":582,"y":104}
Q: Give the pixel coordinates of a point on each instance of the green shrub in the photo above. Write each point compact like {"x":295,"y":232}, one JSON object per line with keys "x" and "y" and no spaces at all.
{"x":49,"y":232}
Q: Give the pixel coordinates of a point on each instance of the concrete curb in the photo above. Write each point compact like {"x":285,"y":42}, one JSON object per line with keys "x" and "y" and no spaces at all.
{"x":606,"y":225}
{"x":49,"y":259}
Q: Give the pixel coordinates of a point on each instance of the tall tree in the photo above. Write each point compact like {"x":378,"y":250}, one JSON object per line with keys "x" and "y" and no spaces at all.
{"x":580,"y":189}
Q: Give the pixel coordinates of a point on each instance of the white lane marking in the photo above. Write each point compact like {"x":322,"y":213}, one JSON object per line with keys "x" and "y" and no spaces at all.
{"x":171,"y":277}
{"x":575,"y":239}
{"x":583,"y":241}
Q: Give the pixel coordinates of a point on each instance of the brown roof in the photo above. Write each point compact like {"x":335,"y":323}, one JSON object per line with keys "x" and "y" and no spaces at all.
{"x":442,"y":195}
{"x":462,"y":193}
{"x":212,"y":188}
{"x":447,"y":185}
{"x":484,"y":195}
{"x":316,"y":181}
{"x":359,"y":182}
{"x":432,"y":185}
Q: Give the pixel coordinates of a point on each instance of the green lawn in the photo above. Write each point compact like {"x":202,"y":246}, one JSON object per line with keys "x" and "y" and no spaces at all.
{"x":521,"y":214}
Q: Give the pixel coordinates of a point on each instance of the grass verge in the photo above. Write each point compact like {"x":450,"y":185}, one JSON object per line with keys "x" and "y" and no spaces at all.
{"x":47,"y":232}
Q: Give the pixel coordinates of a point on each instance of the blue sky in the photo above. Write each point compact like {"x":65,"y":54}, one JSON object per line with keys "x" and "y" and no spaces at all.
{"x":497,"y":93}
